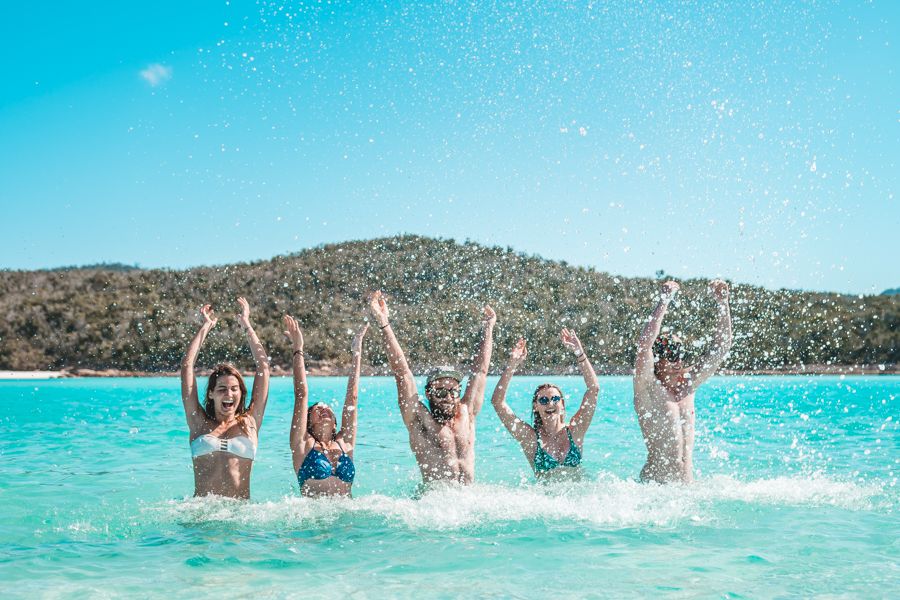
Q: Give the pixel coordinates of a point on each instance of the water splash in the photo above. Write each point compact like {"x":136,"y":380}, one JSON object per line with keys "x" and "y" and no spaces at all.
{"x":607,"y":503}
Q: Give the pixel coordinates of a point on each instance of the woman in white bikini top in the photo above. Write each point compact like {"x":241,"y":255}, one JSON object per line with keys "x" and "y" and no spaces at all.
{"x":224,"y":431}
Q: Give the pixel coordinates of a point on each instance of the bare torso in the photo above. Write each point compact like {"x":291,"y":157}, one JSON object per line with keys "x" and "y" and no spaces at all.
{"x":223,"y":473}
{"x":444,"y":451}
{"x":666,"y":416}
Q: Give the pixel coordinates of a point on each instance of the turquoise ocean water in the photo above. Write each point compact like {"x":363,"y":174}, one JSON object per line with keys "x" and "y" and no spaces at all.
{"x":796,"y":495}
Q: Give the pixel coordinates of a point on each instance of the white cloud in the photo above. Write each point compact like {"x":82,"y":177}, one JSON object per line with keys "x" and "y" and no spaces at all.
{"x":156,"y":74}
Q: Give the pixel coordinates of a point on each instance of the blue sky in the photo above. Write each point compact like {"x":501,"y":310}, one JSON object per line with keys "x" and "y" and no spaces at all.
{"x":756,"y":141}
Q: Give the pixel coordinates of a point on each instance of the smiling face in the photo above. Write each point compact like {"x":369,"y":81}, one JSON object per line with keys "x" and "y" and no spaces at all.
{"x":548,"y":404}
{"x":321,"y":422}
{"x":226,"y":396}
{"x":443,"y":398}
{"x":226,"y":393}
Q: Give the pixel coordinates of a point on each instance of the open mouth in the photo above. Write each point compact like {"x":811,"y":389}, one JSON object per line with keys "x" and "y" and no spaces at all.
{"x":228,"y":404}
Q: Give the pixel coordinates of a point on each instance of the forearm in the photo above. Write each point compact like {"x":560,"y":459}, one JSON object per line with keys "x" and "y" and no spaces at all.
{"x":353,"y":380}
{"x":259,"y":353}
{"x":301,"y":397}
{"x":396,"y":358}
{"x":348,"y":417}
{"x":504,"y":412}
{"x":722,"y":340}
{"x":298,"y":365}
{"x":498,"y":398}
{"x":190,"y":356}
{"x":724,"y":335}
{"x":654,"y":324}
{"x":485,"y":348}
{"x":587,"y":372}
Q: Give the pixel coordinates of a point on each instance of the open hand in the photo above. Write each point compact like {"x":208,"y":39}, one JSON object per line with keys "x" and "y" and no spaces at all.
{"x":206,"y":313}
{"x":518,"y":353}
{"x":719,"y":290}
{"x":356,"y":345}
{"x":293,"y":333}
{"x":378,"y":308}
{"x":668,"y":289}
{"x":571,"y":341}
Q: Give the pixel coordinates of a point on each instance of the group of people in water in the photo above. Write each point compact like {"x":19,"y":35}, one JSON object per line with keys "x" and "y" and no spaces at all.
{"x":224,"y":430}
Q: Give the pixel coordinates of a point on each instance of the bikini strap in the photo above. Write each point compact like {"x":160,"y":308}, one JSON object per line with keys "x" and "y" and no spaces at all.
{"x":340,"y":445}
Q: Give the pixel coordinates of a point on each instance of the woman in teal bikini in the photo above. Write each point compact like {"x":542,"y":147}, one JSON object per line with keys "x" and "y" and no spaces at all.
{"x":552,"y":446}
{"x":322,"y":454}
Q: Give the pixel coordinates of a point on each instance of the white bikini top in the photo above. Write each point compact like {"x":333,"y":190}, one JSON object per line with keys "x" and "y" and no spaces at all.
{"x":239,"y":445}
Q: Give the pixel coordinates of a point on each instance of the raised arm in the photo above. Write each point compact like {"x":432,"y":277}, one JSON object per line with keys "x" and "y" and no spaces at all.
{"x":260,"y":394}
{"x":301,"y":391}
{"x":582,"y":419}
{"x":721,"y":345}
{"x":407,"y":396}
{"x":349,"y":414}
{"x":519,"y":429}
{"x":643,"y":365}
{"x":196,"y":417}
{"x":474,"y":395}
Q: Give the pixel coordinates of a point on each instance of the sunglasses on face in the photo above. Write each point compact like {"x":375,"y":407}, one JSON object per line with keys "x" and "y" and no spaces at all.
{"x":545,"y":400}
{"x":442,"y":393}
{"x":670,"y":351}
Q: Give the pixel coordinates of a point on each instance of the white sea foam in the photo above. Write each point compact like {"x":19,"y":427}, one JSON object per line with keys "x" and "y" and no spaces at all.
{"x":607,"y":503}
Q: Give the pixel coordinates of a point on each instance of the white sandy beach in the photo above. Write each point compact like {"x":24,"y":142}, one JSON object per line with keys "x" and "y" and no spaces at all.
{"x":30,"y":374}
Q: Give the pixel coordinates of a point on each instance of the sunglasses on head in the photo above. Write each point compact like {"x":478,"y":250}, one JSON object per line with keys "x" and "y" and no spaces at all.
{"x":545,"y":400}
{"x":444,"y":392}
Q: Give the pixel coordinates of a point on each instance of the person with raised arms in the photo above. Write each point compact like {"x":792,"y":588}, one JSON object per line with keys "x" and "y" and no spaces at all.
{"x":552,"y":445}
{"x":224,"y":431}
{"x":664,"y":387}
{"x":322,"y":453}
{"x":441,"y":435}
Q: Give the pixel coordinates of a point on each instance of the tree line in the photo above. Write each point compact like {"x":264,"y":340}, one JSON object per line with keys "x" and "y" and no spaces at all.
{"x":109,"y":317}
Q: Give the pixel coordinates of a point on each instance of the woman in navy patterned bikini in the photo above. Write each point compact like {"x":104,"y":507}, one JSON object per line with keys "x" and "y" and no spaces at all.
{"x":323,"y":454}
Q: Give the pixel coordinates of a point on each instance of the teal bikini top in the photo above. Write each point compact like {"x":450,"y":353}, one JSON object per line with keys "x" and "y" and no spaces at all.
{"x":543,"y":462}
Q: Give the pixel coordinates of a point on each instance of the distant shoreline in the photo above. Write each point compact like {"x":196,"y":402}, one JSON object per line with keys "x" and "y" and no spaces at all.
{"x":329,"y":371}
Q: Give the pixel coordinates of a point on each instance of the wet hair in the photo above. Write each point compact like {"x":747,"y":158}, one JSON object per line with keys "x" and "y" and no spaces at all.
{"x":309,"y":420}
{"x":535,"y":416}
{"x":224,"y":370}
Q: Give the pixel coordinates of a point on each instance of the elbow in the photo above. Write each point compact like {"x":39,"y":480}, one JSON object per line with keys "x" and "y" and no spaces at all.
{"x":594,"y":389}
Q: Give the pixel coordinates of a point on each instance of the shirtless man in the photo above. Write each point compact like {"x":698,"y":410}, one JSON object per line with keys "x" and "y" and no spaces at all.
{"x":664,"y":388}
{"x":442,"y":436}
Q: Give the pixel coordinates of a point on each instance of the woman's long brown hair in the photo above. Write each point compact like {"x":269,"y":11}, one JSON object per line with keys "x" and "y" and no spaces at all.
{"x":223,"y":370}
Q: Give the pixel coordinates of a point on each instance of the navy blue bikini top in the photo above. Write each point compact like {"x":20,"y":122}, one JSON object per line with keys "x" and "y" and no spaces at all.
{"x":317,"y":466}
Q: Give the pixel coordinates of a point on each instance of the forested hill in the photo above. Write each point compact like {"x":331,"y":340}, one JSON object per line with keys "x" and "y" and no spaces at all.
{"x":141,"y":319}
